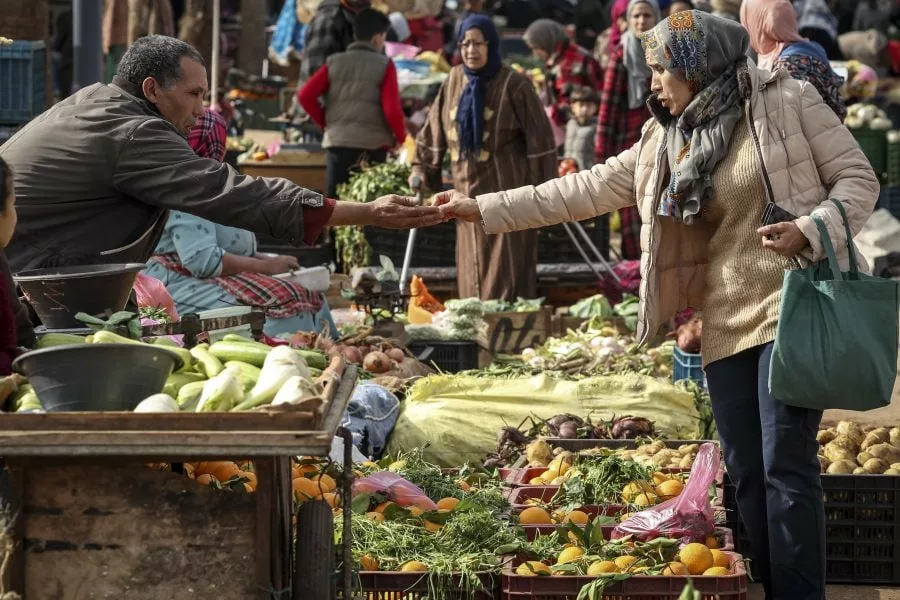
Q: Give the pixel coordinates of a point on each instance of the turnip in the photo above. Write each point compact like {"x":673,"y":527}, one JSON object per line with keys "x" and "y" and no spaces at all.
{"x":377,"y":362}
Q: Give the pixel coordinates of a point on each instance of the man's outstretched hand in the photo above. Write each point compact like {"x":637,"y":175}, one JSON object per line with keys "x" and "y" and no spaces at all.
{"x":455,"y":205}
{"x":401,"y":212}
{"x":389,"y":212}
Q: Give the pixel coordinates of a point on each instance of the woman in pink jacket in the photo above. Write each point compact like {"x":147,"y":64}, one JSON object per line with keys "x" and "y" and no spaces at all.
{"x":728,"y":145}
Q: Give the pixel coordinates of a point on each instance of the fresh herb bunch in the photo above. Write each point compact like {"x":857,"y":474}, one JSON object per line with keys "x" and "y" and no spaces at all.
{"x":599,"y":480}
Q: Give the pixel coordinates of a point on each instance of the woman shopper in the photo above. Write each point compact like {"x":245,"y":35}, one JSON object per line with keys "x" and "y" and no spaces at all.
{"x":570,"y":67}
{"x":490,"y":121}
{"x":727,"y":143}
{"x":623,"y":112}
{"x":774,"y":36}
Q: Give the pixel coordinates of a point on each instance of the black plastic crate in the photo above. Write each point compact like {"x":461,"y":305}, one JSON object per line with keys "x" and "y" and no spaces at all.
{"x":449,"y":357}
{"x":889,"y":199}
{"x":555,"y":246}
{"x":862,"y":528}
{"x":378,"y":585}
{"x":862,"y":521}
{"x":433,"y":246}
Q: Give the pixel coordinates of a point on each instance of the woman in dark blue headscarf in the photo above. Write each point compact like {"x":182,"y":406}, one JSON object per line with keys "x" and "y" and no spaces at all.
{"x":490,"y":121}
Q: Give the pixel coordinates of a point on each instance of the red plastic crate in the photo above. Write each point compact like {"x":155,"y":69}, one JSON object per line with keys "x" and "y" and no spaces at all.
{"x":396,"y":585}
{"x":725,"y":535}
{"x":639,"y":587}
{"x":545,"y":493}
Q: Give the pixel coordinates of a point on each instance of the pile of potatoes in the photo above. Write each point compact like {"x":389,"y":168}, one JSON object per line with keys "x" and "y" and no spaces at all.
{"x":657,"y":456}
{"x":849,"y":449}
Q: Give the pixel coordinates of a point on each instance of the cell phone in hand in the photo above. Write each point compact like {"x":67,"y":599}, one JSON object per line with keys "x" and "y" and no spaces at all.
{"x":773,"y":214}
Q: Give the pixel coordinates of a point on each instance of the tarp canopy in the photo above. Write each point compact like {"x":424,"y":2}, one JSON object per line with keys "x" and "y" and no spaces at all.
{"x":459,"y":416}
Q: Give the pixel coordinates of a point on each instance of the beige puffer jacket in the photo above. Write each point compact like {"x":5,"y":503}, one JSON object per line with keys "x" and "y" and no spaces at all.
{"x":809,"y":157}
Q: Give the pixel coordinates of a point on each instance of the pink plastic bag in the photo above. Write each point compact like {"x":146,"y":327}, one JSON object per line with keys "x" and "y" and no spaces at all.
{"x":152,"y":292}
{"x":689,"y":517}
{"x":397,"y":489}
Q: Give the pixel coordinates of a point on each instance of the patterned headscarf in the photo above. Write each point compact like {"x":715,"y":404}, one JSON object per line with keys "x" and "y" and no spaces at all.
{"x":207,"y":137}
{"x":709,"y":53}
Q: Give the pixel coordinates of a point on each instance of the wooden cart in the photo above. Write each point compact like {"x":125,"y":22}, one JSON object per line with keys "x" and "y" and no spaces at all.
{"x":85,"y":517}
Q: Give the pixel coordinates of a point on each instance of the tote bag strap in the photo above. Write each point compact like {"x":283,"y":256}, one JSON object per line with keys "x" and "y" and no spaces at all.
{"x":829,"y":250}
{"x":851,"y":251}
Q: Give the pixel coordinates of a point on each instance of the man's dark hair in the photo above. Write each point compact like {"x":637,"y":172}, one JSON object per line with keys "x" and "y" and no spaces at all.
{"x":156,"y":56}
{"x":369,"y":23}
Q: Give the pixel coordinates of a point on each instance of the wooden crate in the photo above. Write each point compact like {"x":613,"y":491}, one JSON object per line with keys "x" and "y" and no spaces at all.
{"x":512,"y":332}
{"x":88,"y":519}
{"x":311,"y":176}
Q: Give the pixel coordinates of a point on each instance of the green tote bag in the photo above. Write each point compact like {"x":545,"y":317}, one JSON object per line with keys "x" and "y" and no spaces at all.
{"x":837,"y":336}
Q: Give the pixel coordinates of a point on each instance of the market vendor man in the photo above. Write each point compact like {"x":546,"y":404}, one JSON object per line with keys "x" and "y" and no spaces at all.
{"x":96,"y":174}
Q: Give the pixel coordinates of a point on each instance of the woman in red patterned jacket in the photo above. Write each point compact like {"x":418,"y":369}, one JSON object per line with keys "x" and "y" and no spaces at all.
{"x":623,"y":113}
{"x":570,"y":67}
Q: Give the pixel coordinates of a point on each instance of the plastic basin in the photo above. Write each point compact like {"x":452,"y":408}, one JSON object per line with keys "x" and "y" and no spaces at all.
{"x":59,"y":293}
{"x":96,"y":377}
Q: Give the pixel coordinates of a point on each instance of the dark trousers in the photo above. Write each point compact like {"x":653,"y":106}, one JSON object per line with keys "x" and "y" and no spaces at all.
{"x":770,"y":451}
{"x":343,"y":161}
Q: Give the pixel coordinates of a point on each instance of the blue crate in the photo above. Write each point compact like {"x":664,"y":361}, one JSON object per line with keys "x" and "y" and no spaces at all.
{"x":23,"y":81}
{"x":687,"y":366}
{"x":889,"y":199}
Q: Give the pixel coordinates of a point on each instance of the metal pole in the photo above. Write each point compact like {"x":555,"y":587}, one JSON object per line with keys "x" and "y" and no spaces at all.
{"x":214,"y":67}
{"x":87,"y":43}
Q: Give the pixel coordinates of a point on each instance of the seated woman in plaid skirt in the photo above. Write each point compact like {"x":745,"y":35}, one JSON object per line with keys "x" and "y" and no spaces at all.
{"x":208,"y":266}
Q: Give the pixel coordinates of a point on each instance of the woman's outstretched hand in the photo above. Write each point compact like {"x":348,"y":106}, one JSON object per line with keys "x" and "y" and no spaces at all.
{"x":455,"y":205}
{"x":785,"y":239}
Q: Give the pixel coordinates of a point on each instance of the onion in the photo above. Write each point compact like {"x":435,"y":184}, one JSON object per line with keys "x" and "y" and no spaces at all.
{"x":352,"y":354}
{"x":377,"y":362}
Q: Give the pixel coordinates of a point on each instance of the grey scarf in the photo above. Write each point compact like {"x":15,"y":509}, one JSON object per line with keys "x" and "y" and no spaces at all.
{"x":710,"y":54}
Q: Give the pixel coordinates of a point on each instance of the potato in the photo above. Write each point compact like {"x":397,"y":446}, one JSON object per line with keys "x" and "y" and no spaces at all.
{"x":686,"y":462}
{"x":896,"y":465}
{"x":823,"y":463}
{"x":875,"y":466}
{"x":894,"y":436}
{"x":686,"y":449}
{"x":834,"y":452}
{"x":878,"y":436}
{"x":655,"y":447}
{"x":862,"y":457}
{"x":845,"y":441}
{"x":892,"y":471}
{"x":825,"y":436}
{"x":842,"y":467}
{"x":885,"y":452}
{"x":852,"y":430}
{"x":859,"y":471}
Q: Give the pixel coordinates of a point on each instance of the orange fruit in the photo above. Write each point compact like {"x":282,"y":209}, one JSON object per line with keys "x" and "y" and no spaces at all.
{"x":415,"y":511}
{"x":697,"y":558}
{"x":675,"y":568}
{"x":463,"y":485}
{"x":205,"y":479}
{"x":333,"y":500}
{"x":624,"y":562}
{"x":535,"y":515}
{"x":251,"y":478}
{"x":303,"y":470}
{"x":304,"y":489}
{"x":432,"y":527}
{"x":532,"y":568}
{"x":381,"y":507}
{"x":716,"y":572}
{"x":578,"y":517}
{"x":368,"y":562}
{"x":712,"y":542}
{"x":447,"y":503}
{"x":414,"y":565}
{"x":375,"y":516}
{"x":720,"y":559}
{"x":222,"y":470}
{"x":326,"y":483}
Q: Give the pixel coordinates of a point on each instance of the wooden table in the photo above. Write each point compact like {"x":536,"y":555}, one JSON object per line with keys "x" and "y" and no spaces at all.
{"x":87,"y":518}
{"x":311,"y":175}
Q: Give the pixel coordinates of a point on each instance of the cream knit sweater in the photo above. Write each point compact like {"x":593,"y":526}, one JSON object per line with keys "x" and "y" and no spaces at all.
{"x":743,"y":279}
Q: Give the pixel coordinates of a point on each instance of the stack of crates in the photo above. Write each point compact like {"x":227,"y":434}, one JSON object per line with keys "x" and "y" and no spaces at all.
{"x":23,"y":83}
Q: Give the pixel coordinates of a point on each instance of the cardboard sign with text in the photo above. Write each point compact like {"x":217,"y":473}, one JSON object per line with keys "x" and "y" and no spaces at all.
{"x":513,"y":332}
